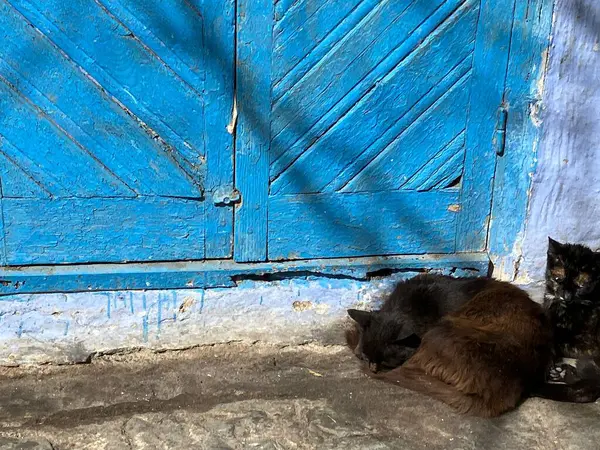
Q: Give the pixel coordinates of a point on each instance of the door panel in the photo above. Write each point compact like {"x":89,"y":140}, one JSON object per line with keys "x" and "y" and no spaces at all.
{"x":380,"y":125}
{"x":113,"y":130}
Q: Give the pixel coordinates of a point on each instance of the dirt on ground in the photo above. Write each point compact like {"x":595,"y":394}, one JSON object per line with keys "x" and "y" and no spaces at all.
{"x":257,"y":396}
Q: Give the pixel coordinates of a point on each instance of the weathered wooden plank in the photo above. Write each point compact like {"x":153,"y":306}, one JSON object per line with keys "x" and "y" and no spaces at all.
{"x":389,"y":100}
{"x":304,"y":29}
{"x":346,"y":225}
{"x":318,"y":51}
{"x":102,"y":230}
{"x":442,"y":166}
{"x":524,"y":91}
{"x":254,"y":47}
{"x":346,"y":73}
{"x":489,"y":74}
{"x":418,"y":144}
{"x":19,"y":160}
{"x":108,"y":51}
{"x":219,"y":62}
{"x":53,"y":153}
{"x":105,"y":277}
{"x":16,"y":182}
{"x":84,"y":111}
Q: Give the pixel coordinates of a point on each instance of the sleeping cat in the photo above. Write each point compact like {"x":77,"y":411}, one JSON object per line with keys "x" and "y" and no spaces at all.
{"x":476,"y":343}
{"x":388,"y":337}
{"x":572,"y":300}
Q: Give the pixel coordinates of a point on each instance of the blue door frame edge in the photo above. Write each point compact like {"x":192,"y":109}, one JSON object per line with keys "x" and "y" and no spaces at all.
{"x":220,"y":273}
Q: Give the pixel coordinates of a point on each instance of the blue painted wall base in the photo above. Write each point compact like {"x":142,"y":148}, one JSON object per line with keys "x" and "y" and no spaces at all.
{"x":69,"y":328}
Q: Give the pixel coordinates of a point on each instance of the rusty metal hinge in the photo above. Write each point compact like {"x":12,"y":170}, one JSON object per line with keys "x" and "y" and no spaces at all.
{"x":499,"y":140}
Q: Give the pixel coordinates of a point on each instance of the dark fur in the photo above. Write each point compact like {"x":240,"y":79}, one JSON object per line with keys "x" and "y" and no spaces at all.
{"x":572,"y":302}
{"x":485,"y":344}
{"x":484,"y":357}
{"x":388,"y":337}
{"x":572,"y":299}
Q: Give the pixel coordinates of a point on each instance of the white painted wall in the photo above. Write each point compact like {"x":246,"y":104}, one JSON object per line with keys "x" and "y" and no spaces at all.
{"x":565,"y":202}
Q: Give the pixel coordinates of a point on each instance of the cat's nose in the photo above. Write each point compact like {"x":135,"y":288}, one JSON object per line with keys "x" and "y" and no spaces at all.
{"x":373,"y":367}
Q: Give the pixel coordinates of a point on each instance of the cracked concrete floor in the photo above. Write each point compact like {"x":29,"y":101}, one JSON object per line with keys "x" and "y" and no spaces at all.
{"x":236,"y":396}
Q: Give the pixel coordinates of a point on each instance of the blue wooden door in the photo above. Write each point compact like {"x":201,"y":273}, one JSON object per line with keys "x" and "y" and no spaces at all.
{"x":113,"y":139}
{"x":368,"y":127}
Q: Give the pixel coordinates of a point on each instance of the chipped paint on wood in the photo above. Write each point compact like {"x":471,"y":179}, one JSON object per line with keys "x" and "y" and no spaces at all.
{"x":210,"y":274}
{"x":512,"y":186}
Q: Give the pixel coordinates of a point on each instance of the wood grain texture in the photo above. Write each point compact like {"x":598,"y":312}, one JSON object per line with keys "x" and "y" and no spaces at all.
{"x":514,"y":169}
{"x":115,"y":99}
{"x":489,"y":76}
{"x":127,"y":68}
{"x":346,"y":75}
{"x":255,"y":24}
{"x":365,"y":131}
{"x":347,"y":225}
{"x":219,"y":64}
{"x":102,"y":230}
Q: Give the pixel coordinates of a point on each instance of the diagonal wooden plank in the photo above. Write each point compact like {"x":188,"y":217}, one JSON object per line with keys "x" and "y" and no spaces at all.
{"x":397,"y":93}
{"x":52,"y":151}
{"x":336,"y":74}
{"x":16,"y":182}
{"x":293,"y":42}
{"x":86,"y":112}
{"x":418,"y":144}
{"x":447,"y":162}
{"x":105,"y":50}
{"x":291,"y":67}
{"x":415,"y":31}
{"x":427,"y":101}
{"x":172,"y":32}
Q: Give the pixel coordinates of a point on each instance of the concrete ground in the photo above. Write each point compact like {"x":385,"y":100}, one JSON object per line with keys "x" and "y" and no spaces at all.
{"x":238,"y":396}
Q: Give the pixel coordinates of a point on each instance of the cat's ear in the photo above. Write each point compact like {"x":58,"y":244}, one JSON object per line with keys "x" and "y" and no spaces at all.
{"x":554,"y":247}
{"x":363,"y":318}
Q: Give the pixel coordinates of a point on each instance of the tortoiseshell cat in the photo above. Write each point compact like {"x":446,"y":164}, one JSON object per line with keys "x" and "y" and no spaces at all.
{"x":572,"y":301}
{"x":476,"y":344}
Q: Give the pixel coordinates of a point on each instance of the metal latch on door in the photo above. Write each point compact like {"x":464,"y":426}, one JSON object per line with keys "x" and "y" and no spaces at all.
{"x":226,"y":196}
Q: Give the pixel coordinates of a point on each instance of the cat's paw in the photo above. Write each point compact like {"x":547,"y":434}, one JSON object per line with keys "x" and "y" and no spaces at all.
{"x":563,"y":373}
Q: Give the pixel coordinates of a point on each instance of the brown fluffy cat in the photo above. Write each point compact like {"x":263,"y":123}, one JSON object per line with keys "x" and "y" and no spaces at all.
{"x":484,"y":357}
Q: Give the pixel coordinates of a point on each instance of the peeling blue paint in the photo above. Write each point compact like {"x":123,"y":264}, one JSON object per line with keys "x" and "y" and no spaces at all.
{"x":107,"y":305}
{"x":201,"y":301}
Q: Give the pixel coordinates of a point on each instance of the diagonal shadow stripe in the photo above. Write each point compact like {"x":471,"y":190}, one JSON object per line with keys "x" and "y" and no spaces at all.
{"x":362,"y":177}
{"x":428,"y":101}
{"x":420,"y":38}
{"x":322,"y":48}
{"x":175,"y":146}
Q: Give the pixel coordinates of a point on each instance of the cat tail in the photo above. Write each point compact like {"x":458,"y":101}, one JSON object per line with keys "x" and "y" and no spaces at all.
{"x":418,"y":381}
